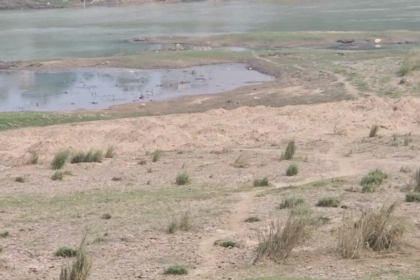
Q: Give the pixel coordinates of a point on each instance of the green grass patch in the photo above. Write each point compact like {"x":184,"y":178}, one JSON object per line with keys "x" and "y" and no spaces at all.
{"x":292,"y":170}
{"x":372,"y":181}
{"x":60,"y":159}
{"x":65,"y":252}
{"x":410,"y":63}
{"x":176,"y":270}
{"x":182,"y":179}
{"x":412,"y":197}
{"x":328,"y":202}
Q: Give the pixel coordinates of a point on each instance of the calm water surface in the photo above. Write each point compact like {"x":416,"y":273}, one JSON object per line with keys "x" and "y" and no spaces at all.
{"x":94,"y":32}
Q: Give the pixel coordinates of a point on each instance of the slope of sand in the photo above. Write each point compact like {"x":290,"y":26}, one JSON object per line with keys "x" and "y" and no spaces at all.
{"x":333,"y":153}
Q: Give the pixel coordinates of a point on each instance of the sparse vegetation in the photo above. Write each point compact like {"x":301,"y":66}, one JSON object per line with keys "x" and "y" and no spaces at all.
{"x":291,"y":202}
{"x":241,"y":162}
{"x":176,"y":270}
{"x":4,"y":234}
{"x":328,"y":202}
{"x":20,"y":179}
{"x":142,"y":162}
{"x":372,"y":181}
{"x":412,"y":197}
{"x":110,"y":151}
{"x":106,"y":216}
{"x":65,"y":252}
{"x":407,"y":140}
{"x":116,"y":179}
{"x":252,"y":219}
{"x":91,"y":156}
{"x":374,"y":130}
{"x":377,"y":231}
{"x":417,"y":181}
{"x":278,"y":242}
{"x":261,"y":182}
{"x":182,"y":179}
{"x":156,"y":155}
{"x":183,"y":223}
{"x":33,"y":158}
{"x":80,"y":268}
{"x":58,"y":175}
{"x":60,"y":159}
{"x":290,"y":151}
{"x":292,"y":170}
{"x":410,"y":63}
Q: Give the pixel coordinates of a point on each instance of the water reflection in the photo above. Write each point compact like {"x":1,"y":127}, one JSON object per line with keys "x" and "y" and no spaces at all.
{"x":99,"y":89}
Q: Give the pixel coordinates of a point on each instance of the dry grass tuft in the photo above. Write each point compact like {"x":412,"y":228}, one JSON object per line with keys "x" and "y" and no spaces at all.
{"x":372,"y":181}
{"x":374,"y":131}
{"x":241,"y":162}
{"x":80,"y":268}
{"x":417,"y":181}
{"x":33,"y":158}
{"x":183,"y":223}
{"x":261,"y":182}
{"x":410,"y":63}
{"x":110,"y":151}
{"x":277,"y":242}
{"x":377,"y":231}
{"x":60,"y":159}
{"x":156,"y":155}
{"x":91,"y":156}
{"x":328,"y":202}
{"x":290,"y":151}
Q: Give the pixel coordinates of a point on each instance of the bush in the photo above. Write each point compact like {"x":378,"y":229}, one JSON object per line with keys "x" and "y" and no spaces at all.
{"x":372,"y":181}
{"x":33,"y":158}
{"x":292,"y":170}
{"x":60,"y":159}
{"x":91,"y":156}
{"x":412,"y":197}
{"x":374,"y":131}
{"x":291,"y":202}
{"x":252,"y":219}
{"x":182,"y":179}
{"x":290,"y":151}
{"x":377,"y":231}
{"x":4,"y":234}
{"x":176,"y":270}
{"x":261,"y":182}
{"x":20,"y":179}
{"x":80,"y":268}
{"x":227,"y":244}
{"x":65,"y":252}
{"x":411,"y":62}
{"x":278,"y":242}
{"x":328,"y":202}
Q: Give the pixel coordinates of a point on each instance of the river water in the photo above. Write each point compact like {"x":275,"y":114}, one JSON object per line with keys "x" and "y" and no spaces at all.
{"x":94,"y":32}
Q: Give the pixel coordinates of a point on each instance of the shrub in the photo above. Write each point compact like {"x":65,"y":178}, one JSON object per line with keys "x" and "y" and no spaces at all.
{"x":412,"y":197}
{"x":33,"y":158}
{"x":80,"y":268}
{"x":377,"y":231}
{"x":291,"y":202}
{"x":182,"y":179}
{"x":184,"y":223}
{"x":252,"y":219}
{"x":374,"y":131}
{"x":176,"y":270}
{"x":278,"y":242}
{"x":372,"y":181}
{"x":227,"y":244}
{"x":91,"y":156}
{"x":261,"y":182}
{"x":20,"y":179}
{"x":156,"y":155}
{"x":110,"y":151}
{"x":4,"y":234}
{"x":292,"y":170}
{"x":328,"y":202}
{"x":411,"y":62}
{"x":290,"y":151}
{"x":65,"y":252}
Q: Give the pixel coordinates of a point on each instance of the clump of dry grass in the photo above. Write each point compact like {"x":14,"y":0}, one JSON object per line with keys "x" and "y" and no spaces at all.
{"x":182,"y":179}
{"x":80,"y":268}
{"x":33,"y":158}
{"x":377,"y":231}
{"x":183,"y":223}
{"x":374,"y":130}
{"x":410,"y":63}
{"x":417,"y":181}
{"x":60,"y":159}
{"x":241,"y":162}
{"x":110,"y":151}
{"x":261,"y":182}
{"x":91,"y":156}
{"x":156,"y":155}
{"x":290,"y":151}
{"x":328,"y":202}
{"x":277,"y":242}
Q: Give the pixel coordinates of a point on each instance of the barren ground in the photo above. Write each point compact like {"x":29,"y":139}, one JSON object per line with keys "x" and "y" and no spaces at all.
{"x":325,"y":101}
